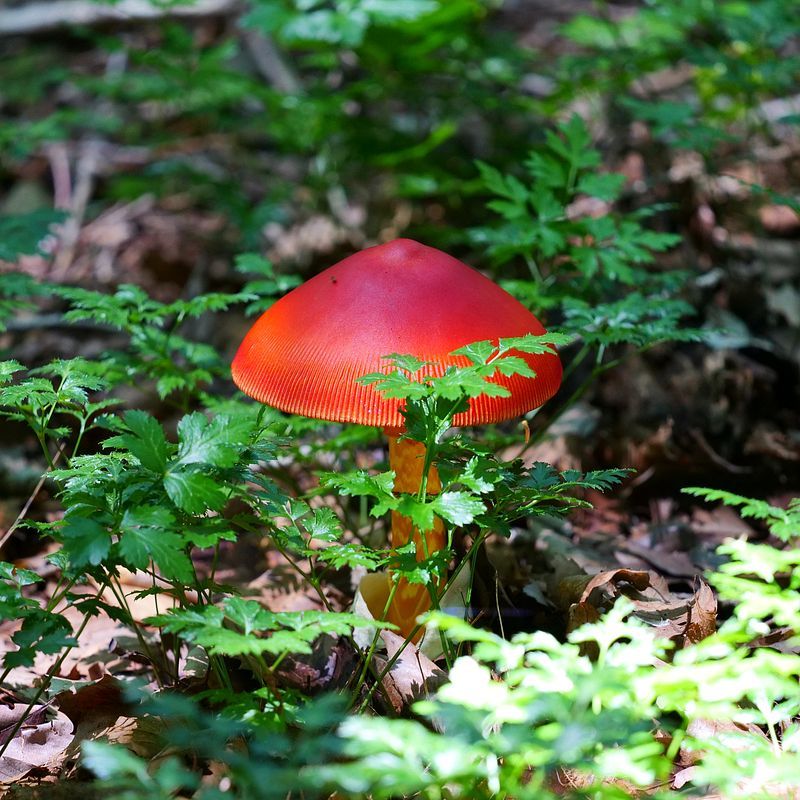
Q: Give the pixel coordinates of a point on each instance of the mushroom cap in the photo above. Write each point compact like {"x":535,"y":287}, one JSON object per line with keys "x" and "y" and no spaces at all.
{"x":304,"y":353}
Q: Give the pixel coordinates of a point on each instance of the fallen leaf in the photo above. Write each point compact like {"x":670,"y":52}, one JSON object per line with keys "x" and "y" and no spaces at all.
{"x":412,"y":676}
{"x":719,"y":523}
{"x":41,"y":740}
{"x":677,"y":564}
{"x":330,"y":665}
{"x":702,"y":618}
{"x":84,"y":701}
{"x":611,"y":580}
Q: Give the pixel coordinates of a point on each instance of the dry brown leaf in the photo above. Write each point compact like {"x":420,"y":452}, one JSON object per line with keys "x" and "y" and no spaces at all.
{"x":41,"y":741}
{"x":330,"y":665}
{"x":719,"y":523}
{"x":412,"y":676}
{"x":596,"y":589}
{"x":610,"y":581}
{"x":676,"y":563}
{"x":682,"y":777}
{"x":581,"y":614}
{"x":702,"y":618}
{"x":84,"y":701}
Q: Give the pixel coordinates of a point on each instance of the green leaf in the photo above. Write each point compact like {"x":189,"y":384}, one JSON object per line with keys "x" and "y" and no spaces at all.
{"x":86,"y":542}
{"x":351,"y":555}
{"x":41,"y":632}
{"x":421,"y":513}
{"x":477,"y":352}
{"x":148,"y":533}
{"x":476,"y":476}
{"x":325,"y":525}
{"x":7,"y":370}
{"x":394,"y":384}
{"x":362,"y":484}
{"x":249,"y":615}
{"x":604,"y":185}
{"x":216,"y":442}
{"x":513,"y":365}
{"x":194,"y":492}
{"x":147,"y":444}
{"x":458,"y":508}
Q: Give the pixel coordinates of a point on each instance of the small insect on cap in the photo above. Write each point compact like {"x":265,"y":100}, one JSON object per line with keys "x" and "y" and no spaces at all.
{"x":304,"y":353}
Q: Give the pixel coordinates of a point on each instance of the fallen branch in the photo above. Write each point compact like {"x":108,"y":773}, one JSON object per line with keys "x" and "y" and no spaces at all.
{"x":42,"y":16}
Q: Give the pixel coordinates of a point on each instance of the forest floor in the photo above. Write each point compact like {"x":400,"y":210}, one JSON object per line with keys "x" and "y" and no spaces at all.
{"x":725,"y":415}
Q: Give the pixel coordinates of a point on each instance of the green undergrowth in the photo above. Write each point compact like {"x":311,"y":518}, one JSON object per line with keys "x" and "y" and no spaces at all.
{"x":165,"y":484}
{"x":612,"y":707}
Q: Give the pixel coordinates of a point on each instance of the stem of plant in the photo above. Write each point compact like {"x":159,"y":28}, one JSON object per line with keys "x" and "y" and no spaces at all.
{"x":119,"y":594}
{"x":371,"y":651}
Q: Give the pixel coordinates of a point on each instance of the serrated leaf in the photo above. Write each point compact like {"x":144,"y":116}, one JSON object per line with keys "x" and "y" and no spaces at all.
{"x":324,"y":525}
{"x":393,"y":384}
{"x":458,"y":508}
{"x":477,"y":352}
{"x":194,"y":492}
{"x":147,"y":533}
{"x":216,"y":441}
{"x":534,"y":344}
{"x":514,"y":365}
{"x":148,"y":444}
{"x":249,"y":615}
{"x":86,"y":542}
{"x":350,"y":555}
{"x":421,"y":513}
{"x":8,"y":368}
{"x":468,"y":382}
{"x":361,"y":483}
{"x":475,"y":476}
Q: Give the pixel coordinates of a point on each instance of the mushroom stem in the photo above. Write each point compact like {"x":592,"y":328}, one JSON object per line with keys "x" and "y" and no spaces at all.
{"x":407,"y":459}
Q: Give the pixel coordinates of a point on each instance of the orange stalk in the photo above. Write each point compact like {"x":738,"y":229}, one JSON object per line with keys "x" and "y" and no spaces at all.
{"x":407,"y":459}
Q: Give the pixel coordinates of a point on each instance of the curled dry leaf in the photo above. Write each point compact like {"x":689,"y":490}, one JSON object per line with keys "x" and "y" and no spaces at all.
{"x":702,"y":616}
{"x":329,"y":666}
{"x":582,"y":596}
{"x":676,"y":563}
{"x":41,"y":741}
{"x":684,"y":620}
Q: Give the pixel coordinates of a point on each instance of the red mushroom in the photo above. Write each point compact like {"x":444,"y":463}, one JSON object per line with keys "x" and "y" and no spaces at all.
{"x":304,"y":353}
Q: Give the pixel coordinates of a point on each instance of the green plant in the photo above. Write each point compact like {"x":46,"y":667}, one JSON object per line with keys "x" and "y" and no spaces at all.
{"x":149,"y":500}
{"x":594,"y":270}
{"x":736,"y":55}
{"x":533,"y":717}
{"x":569,"y":253}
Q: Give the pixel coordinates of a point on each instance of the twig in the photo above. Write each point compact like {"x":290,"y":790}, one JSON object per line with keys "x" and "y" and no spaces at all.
{"x":70,"y":230}
{"x":58,"y":157}
{"x":15,"y":524}
{"x":269,"y":62}
{"x":715,"y":456}
{"x":45,"y":16}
